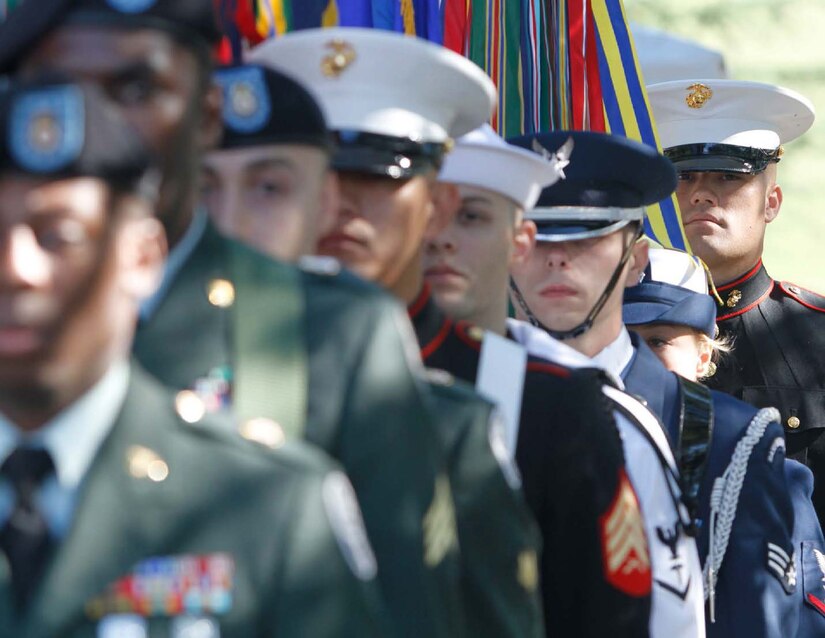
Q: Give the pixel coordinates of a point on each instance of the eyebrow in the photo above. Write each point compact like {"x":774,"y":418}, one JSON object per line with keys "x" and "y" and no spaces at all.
{"x":271,"y":162}
{"x":476,"y":199}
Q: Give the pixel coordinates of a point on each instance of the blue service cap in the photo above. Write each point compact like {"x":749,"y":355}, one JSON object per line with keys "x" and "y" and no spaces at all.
{"x":607,"y":184}
{"x":193,"y":21}
{"x":56,"y":129}
{"x":674,"y":290}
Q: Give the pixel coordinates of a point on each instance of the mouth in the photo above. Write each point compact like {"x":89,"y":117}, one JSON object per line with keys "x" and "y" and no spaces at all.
{"x":703,"y":218}
{"x":341,"y":242}
{"x":557,"y":291}
{"x":442,"y":271}
{"x":20,"y":341}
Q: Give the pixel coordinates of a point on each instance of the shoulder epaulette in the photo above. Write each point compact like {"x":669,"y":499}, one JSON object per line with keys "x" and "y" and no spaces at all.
{"x":807,"y":298}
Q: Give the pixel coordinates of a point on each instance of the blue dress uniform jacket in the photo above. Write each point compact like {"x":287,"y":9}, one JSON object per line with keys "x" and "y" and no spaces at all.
{"x":809,"y":545}
{"x":778,"y":331}
{"x":366,"y":407}
{"x":751,"y":598}
{"x":571,"y":485}
{"x":258,"y":518}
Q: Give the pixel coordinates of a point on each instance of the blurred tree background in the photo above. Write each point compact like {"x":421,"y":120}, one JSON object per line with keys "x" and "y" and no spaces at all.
{"x":781,"y":42}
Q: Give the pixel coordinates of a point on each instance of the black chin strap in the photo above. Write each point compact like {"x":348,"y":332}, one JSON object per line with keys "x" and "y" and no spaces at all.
{"x":585,"y":325}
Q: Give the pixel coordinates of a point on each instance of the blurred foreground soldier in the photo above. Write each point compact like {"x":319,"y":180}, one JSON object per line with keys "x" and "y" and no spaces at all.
{"x":269,"y":184}
{"x":318,"y":355}
{"x":121,"y":513}
{"x":672,"y":310}
{"x":587,"y":253}
{"x":594,"y":572}
{"x":269,"y":181}
{"x":725,"y":139}
{"x":497,"y":536}
{"x":467,"y":265}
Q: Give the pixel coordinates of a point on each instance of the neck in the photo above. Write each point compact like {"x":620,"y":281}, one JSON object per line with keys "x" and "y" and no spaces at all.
{"x":409,"y":283}
{"x":32,"y":406}
{"x":733,"y":269}
{"x":493,"y":316}
{"x":176,"y":223}
{"x":604,"y":332}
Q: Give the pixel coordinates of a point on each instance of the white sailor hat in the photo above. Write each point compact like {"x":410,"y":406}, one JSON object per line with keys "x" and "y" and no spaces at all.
{"x":727,"y":125}
{"x":674,"y":290}
{"x":483,"y":159}
{"x":394,"y":101}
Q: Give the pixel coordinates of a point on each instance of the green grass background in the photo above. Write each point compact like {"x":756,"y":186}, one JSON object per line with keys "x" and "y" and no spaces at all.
{"x":781,"y":42}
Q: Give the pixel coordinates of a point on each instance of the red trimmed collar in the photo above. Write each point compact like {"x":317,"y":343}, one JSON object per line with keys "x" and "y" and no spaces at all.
{"x":744,"y":293}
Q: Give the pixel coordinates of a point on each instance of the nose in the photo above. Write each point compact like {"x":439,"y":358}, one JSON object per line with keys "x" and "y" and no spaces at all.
{"x":556,"y":254}
{"x":348,"y":206}
{"x":701,"y":192}
{"x":444,"y":242}
{"x":23,"y":263}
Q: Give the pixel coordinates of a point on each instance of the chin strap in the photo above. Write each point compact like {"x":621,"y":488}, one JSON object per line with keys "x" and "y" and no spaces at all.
{"x":585,"y":325}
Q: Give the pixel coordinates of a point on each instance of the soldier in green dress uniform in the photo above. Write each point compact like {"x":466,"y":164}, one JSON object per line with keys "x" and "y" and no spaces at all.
{"x":267,"y":185}
{"x":122,"y":511}
{"x":329,"y":362}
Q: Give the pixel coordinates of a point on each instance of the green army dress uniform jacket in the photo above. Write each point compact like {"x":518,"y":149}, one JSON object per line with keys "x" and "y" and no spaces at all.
{"x":499,"y":539}
{"x":164,"y":499}
{"x":365,"y":407}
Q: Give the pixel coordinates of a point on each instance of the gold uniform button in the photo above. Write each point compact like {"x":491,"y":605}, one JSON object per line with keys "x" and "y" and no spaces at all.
{"x":475,"y":333}
{"x":144,"y":463}
{"x":221,"y":293}
{"x":793,"y":422}
{"x":264,"y":431}
{"x":528,"y":570}
{"x":189,"y":406}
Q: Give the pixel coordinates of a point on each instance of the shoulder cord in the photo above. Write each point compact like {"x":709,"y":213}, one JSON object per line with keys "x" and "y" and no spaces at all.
{"x":724,"y":500}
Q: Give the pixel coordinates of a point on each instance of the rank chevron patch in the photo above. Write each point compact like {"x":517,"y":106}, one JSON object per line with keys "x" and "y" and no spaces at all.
{"x":624,"y":545}
{"x":782,"y":566}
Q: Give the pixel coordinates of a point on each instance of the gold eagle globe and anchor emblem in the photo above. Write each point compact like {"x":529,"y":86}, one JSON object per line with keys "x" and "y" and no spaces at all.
{"x":698,"y":96}
{"x":342,"y":55}
{"x":734,"y":298}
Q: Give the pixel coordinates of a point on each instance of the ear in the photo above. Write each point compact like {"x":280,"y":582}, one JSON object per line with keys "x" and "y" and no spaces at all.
{"x":142,"y":251}
{"x":705,"y":352}
{"x":637,"y":263}
{"x":211,"y":125}
{"x":773,"y":202}
{"x":523,"y":242}
{"x":446,"y":200}
{"x":330,"y":200}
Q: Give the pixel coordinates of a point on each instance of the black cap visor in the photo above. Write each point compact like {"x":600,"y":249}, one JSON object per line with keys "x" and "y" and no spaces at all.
{"x":721,"y":158}
{"x":384,"y":155}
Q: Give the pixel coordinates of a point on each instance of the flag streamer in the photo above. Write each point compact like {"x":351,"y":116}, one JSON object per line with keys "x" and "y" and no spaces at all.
{"x":557,"y":64}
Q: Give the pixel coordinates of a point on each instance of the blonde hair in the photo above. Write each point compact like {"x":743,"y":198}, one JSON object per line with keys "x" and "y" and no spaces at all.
{"x":718,"y":348}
